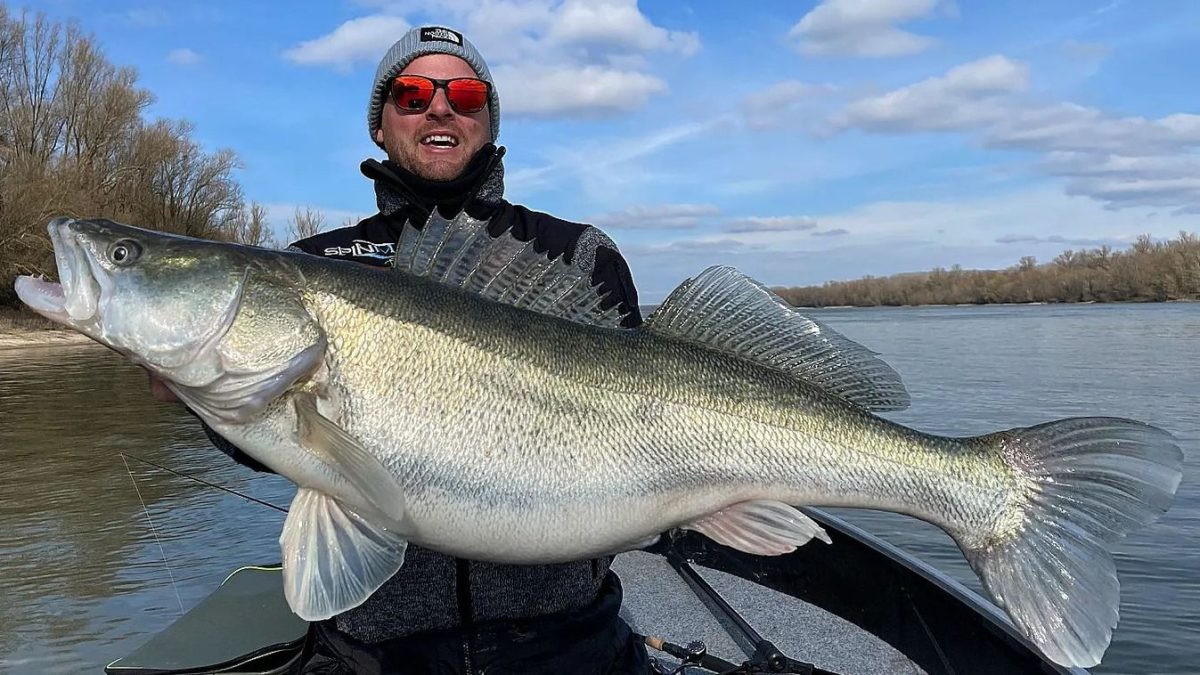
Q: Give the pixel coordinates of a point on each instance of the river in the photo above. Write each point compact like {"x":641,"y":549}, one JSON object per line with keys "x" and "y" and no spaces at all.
{"x":83,"y":574}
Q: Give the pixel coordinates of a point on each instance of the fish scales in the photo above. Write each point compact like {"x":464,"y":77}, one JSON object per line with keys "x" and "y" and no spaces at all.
{"x":499,"y":408}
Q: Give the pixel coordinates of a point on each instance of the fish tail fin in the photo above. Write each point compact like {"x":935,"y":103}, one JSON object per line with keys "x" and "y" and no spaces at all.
{"x":1092,"y":480}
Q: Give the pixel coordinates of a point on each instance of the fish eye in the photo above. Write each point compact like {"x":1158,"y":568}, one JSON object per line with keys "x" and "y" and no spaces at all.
{"x":124,"y":252}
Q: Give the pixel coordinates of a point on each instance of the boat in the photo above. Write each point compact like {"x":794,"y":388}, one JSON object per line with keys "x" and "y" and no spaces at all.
{"x":859,"y":605}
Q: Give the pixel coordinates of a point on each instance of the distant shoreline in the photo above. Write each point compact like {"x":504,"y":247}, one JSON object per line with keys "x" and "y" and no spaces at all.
{"x":1005,"y":304}
{"x":10,"y":339}
{"x":13,"y":336}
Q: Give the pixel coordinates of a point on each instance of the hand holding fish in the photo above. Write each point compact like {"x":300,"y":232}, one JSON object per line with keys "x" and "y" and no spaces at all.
{"x":160,"y":391}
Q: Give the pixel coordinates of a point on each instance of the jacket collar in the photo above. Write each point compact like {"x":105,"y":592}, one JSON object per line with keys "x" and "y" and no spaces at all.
{"x":480,"y":185}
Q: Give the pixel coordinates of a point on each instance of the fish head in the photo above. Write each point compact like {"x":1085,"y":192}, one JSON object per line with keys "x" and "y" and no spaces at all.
{"x":149,"y":295}
{"x":190,"y":310}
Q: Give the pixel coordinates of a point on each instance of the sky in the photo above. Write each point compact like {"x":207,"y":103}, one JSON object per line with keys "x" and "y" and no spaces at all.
{"x":798,"y":141}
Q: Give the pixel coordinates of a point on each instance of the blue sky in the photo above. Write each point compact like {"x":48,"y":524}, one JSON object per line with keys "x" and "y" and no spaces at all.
{"x":798,"y":141}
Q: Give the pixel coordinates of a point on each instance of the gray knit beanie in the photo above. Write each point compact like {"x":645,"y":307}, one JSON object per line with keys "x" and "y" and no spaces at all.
{"x":419,"y":42}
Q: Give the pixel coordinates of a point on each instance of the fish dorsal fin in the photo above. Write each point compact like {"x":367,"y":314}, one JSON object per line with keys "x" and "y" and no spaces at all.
{"x":463,"y":254}
{"x":725,"y":310}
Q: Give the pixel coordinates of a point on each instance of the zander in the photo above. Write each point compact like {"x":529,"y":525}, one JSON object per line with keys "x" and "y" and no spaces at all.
{"x":479,"y":400}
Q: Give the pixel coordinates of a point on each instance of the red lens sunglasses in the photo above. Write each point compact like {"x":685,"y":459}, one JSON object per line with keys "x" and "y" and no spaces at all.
{"x":414,"y":93}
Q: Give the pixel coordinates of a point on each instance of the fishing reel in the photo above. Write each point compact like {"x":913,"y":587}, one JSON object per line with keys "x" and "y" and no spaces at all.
{"x":766,"y":659}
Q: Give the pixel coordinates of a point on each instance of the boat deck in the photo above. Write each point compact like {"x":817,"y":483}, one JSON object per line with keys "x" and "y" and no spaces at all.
{"x":659,"y":602}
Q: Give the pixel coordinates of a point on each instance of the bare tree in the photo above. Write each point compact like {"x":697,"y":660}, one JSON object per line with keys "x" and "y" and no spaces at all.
{"x":1147,"y":271}
{"x":305,"y":223}
{"x":249,"y":226}
{"x":73,"y":141}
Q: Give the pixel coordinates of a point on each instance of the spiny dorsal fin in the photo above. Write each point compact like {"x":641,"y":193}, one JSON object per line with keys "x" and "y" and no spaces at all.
{"x":463,"y":254}
{"x":724,"y":309}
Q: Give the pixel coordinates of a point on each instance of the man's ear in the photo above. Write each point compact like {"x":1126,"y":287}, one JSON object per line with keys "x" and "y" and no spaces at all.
{"x":379,"y":136}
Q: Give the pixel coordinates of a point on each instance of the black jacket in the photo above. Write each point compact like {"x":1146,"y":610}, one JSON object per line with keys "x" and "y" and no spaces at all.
{"x":434,"y":594}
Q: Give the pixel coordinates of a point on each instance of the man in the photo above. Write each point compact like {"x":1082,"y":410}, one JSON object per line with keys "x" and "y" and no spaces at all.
{"x":435,"y":111}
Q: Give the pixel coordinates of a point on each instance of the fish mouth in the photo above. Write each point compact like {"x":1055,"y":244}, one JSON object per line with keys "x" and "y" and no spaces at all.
{"x":75,"y":300}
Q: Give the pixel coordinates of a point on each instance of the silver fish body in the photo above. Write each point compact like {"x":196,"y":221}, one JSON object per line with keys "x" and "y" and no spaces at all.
{"x":432,"y":405}
{"x":528,"y":438}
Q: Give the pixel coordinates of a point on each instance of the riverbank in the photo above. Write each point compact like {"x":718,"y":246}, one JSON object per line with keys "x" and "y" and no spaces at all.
{"x":1005,"y":304}
{"x":41,"y":338}
{"x":19,"y":328}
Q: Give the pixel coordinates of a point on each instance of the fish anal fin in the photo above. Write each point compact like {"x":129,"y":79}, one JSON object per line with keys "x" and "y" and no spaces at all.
{"x":333,"y":558}
{"x":334,"y":445}
{"x":761,"y":527}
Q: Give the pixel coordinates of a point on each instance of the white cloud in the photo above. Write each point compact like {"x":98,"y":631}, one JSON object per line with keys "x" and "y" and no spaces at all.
{"x":183,"y":57}
{"x":362,"y":39}
{"x":1059,"y":239}
{"x":1066,"y":126}
{"x":1159,"y":181}
{"x":862,"y":28}
{"x":969,"y":95}
{"x":771,"y":224}
{"x":549,"y":57}
{"x":1119,"y":161}
{"x":787,"y":104}
{"x":656,"y":217}
{"x":888,"y":237}
{"x":586,"y":91}
{"x":606,"y":160}
{"x":706,"y":245}
{"x":836,"y":232}
{"x":615,"y":24}
{"x":973,"y":221}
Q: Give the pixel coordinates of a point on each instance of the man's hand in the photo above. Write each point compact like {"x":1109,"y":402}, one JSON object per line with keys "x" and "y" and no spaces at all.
{"x":158,"y":389}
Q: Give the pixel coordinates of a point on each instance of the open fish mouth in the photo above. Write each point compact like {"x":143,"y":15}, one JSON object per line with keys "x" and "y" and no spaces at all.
{"x":75,"y":300}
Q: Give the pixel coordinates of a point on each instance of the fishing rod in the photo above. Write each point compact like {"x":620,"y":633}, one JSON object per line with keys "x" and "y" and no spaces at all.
{"x":766,"y":657}
{"x":247,"y":497}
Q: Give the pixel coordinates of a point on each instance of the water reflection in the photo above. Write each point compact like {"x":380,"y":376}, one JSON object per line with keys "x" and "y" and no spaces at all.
{"x":84,"y":578}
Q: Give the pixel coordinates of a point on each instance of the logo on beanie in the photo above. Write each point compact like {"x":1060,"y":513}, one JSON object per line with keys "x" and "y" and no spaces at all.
{"x":439,"y":34}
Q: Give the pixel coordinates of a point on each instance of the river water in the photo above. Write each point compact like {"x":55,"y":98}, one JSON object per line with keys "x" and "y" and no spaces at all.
{"x":82,"y":572}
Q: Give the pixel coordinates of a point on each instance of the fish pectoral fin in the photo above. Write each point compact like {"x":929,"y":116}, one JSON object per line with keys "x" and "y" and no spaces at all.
{"x":236,"y":396}
{"x":323,"y":437}
{"x":761,"y":527}
{"x":333,"y":558}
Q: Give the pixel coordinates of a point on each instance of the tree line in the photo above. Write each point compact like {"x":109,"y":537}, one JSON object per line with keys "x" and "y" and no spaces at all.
{"x":1148,"y":271}
{"x":75,"y":141}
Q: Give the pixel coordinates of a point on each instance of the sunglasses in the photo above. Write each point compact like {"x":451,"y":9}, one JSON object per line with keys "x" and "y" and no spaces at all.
{"x":414,"y":93}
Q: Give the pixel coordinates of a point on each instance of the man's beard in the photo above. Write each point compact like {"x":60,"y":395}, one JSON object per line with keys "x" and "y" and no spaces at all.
{"x":436,"y":169}
{"x":408,"y":155}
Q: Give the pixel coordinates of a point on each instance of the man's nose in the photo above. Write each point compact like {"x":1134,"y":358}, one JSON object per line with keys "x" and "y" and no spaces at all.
{"x":439,"y":105}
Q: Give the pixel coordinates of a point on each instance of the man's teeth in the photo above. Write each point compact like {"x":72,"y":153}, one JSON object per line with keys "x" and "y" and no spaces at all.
{"x":440,"y":140}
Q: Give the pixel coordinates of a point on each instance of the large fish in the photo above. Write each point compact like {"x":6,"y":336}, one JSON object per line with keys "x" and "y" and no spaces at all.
{"x":479,"y":401}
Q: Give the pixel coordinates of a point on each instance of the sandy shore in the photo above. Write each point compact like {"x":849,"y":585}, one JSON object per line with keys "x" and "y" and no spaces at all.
{"x":41,"y":338}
